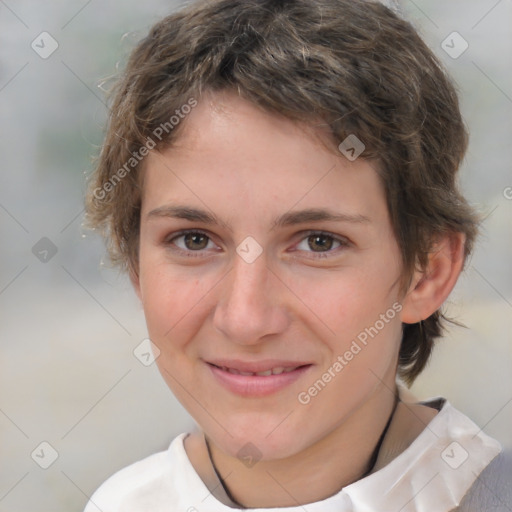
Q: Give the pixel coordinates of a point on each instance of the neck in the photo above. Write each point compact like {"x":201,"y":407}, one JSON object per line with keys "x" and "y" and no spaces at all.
{"x":340,"y":458}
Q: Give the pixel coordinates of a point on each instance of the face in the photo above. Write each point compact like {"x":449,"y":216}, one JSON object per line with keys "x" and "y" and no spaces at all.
{"x":264,"y":252}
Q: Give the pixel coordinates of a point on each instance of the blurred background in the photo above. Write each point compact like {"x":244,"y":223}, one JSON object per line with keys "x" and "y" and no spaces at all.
{"x":74,"y":398}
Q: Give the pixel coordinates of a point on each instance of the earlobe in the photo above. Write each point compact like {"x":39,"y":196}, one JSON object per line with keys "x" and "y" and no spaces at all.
{"x":430,"y":288}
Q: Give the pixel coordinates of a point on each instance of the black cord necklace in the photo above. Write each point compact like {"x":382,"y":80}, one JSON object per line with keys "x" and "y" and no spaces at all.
{"x":371,"y":464}
{"x":375,"y":454}
{"x":224,"y":486}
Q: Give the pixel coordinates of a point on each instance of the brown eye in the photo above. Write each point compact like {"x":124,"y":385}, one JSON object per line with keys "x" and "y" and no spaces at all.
{"x":195,"y":241}
{"x":320,"y":243}
{"x":191,"y":241}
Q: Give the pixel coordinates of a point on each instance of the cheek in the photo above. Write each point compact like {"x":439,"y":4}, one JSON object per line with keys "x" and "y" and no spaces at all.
{"x":347,"y":300}
{"x":355,"y":311}
{"x":172,"y":302}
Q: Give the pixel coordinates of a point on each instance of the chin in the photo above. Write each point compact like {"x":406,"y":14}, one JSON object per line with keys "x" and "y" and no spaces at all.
{"x":258,"y":440}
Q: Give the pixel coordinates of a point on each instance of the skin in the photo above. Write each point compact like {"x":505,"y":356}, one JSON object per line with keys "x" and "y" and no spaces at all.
{"x":303,"y":298}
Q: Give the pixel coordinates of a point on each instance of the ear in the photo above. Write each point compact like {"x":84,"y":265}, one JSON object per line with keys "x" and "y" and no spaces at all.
{"x":430,"y":287}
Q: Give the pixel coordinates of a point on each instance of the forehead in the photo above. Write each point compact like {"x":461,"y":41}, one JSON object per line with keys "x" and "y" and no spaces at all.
{"x":233,"y":157}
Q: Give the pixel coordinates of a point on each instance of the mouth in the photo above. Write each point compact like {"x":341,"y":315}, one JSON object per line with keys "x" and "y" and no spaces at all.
{"x":278,"y":370}
{"x":257,"y":379}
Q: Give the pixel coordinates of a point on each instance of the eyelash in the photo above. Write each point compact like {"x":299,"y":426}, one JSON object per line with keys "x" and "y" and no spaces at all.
{"x":186,"y":253}
{"x":343,"y":242}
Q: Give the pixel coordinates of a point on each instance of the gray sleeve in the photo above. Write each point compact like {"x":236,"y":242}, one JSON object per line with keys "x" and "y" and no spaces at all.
{"x":492,"y":490}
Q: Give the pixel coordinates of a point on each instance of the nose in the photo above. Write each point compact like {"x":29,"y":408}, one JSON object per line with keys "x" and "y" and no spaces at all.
{"x":250,"y":307}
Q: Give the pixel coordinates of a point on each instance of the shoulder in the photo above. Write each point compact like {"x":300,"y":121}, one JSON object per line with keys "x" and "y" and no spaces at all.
{"x":463,"y":466}
{"x":492,"y":489}
{"x":132,"y":483}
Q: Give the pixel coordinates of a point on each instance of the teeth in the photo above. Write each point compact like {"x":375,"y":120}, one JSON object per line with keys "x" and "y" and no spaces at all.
{"x":266,"y":373}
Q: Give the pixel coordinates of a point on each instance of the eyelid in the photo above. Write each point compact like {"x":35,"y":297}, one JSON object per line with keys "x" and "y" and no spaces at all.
{"x":168,"y":241}
{"x":343,"y":241}
{"x":182,"y":232}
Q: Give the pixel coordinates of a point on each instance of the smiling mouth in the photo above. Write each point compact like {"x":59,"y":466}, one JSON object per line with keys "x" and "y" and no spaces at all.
{"x":257,"y":379}
{"x":278,"y":370}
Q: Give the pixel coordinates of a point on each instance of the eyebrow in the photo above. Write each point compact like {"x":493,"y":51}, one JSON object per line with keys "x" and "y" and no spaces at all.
{"x":317,"y":215}
{"x":287,"y":219}
{"x":187,"y":213}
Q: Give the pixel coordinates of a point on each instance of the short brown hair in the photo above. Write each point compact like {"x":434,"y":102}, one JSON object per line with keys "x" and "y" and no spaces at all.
{"x":353,"y":64}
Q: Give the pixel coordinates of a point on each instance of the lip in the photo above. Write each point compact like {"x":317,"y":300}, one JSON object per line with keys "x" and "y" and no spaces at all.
{"x":256,"y":385}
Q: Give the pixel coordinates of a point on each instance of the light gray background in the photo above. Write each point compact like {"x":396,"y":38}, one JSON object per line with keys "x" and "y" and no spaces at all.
{"x":69,"y":326}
